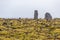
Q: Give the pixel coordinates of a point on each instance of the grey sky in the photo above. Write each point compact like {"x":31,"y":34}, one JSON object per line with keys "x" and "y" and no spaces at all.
{"x":25,"y":8}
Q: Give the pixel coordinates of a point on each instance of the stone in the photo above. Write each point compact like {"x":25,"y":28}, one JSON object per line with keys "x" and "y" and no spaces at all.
{"x":48,"y":16}
{"x":36,"y":14}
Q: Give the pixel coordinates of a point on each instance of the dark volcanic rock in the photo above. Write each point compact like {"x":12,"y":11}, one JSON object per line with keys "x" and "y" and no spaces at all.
{"x":36,"y":14}
{"x":48,"y":16}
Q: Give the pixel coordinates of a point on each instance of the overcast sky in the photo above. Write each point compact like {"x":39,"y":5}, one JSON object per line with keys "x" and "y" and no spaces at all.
{"x":25,"y":8}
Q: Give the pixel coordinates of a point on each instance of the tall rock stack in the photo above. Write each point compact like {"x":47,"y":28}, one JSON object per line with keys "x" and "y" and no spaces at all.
{"x":36,"y":14}
{"x":48,"y":16}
